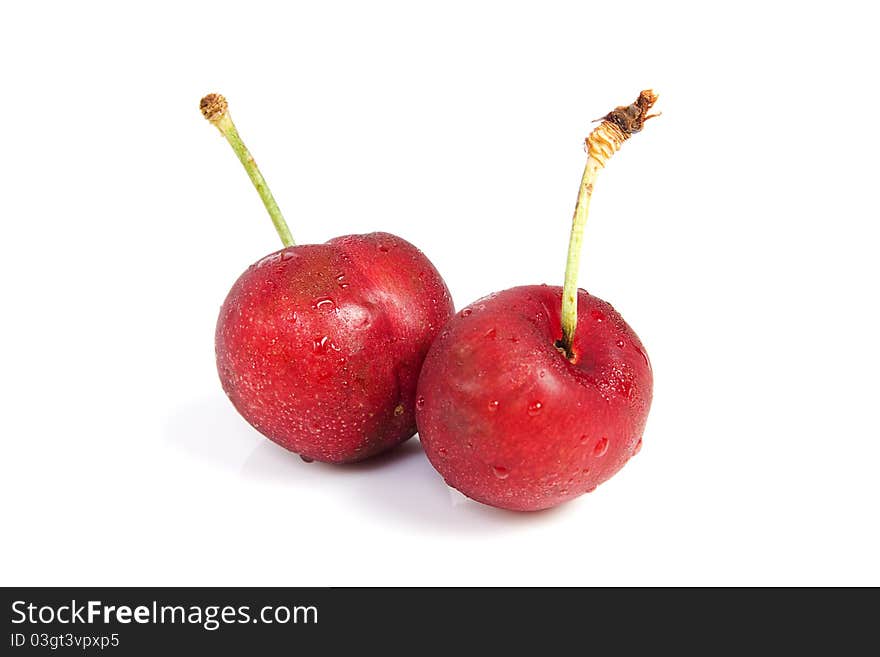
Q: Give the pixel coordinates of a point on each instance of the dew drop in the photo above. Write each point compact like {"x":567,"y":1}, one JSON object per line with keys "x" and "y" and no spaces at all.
{"x":420,"y":402}
{"x":493,"y":405}
{"x":490,"y":334}
{"x":601,"y":447}
{"x":535,"y":408}
{"x":638,"y":447}
{"x":323,"y":303}
{"x":542,"y":374}
{"x":269,"y":259}
{"x":442,"y":451}
{"x":585,"y":471}
{"x":501,"y":472}
{"x":383,"y":248}
{"x":287,"y":255}
{"x":620,"y":344}
{"x":585,"y":439}
{"x":597,"y":315}
{"x":320,"y":345}
{"x":466,"y":312}
{"x":306,"y":459}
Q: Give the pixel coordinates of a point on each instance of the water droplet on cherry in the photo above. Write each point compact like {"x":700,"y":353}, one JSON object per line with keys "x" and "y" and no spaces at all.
{"x":287,"y":255}
{"x":638,"y":447}
{"x":601,"y":447}
{"x":383,"y":248}
{"x":597,"y":315}
{"x":490,"y":334}
{"x":323,"y":303}
{"x":501,"y":472}
{"x":493,"y":405}
{"x":621,"y":344}
{"x":535,"y":408}
{"x":320,"y":344}
{"x":466,"y":312}
{"x":269,"y":259}
{"x":420,"y":402}
{"x":306,"y":459}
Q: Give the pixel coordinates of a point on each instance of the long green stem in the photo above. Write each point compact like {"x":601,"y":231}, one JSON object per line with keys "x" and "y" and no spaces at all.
{"x":573,"y":262}
{"x":215,"y":109}
{"x":616,"y":127}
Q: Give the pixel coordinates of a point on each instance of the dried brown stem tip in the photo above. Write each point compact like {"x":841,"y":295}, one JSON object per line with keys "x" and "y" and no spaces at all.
{"x":631,"y":118}
{"x":213,"y":107}
{"x":617,"y":126}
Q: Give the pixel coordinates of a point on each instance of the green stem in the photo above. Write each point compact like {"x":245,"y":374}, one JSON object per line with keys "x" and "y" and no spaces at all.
{"x":573,"y":262}
{"x":218,"y":114}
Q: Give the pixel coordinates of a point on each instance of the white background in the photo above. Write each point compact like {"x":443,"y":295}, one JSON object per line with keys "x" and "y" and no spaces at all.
{"x":737,"y":234}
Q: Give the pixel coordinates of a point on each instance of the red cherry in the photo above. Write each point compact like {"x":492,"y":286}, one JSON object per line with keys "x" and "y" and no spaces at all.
{"x":519,"y":410}
{"x":543,"y":428}
{"x":319,"y":346}
{"x":327,"y":371}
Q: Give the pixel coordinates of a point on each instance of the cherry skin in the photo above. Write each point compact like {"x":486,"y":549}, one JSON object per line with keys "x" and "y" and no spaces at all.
{"x":319,"y":346}
{"x":509,"y":420}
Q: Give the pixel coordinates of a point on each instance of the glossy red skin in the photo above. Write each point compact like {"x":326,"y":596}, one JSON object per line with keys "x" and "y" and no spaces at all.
{"x":509,"y":421}
{"x":320,"y":346}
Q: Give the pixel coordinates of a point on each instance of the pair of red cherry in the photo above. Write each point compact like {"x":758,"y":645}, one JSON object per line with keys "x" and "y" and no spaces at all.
{"x":340,"y":351}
